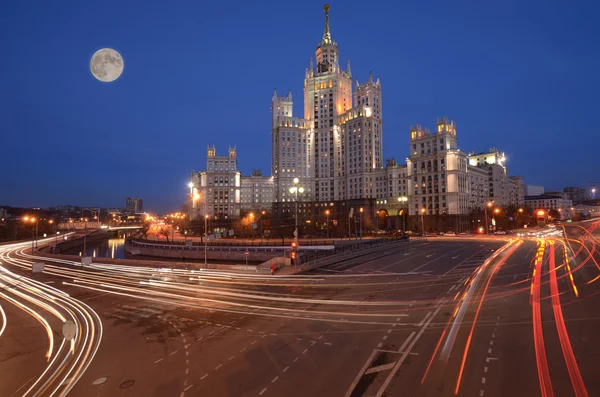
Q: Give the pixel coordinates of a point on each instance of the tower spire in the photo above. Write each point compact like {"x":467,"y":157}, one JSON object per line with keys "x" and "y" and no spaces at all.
{"x":327,"y":35}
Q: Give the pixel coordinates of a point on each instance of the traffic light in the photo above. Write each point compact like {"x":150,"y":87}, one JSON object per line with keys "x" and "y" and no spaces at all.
{"x":293,"y":255}
{"x":293,"y":245}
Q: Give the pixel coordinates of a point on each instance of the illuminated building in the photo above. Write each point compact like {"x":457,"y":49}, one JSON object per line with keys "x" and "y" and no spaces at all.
{"x":336,"y":148}
{"x":134,"y":205}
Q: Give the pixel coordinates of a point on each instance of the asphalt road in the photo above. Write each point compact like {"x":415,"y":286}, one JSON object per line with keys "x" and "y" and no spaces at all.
{"x":453,"y":316}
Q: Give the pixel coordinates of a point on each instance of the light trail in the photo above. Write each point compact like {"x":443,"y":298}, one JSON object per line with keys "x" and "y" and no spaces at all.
{"x":538,"y":335}
{"x":563,"y":335}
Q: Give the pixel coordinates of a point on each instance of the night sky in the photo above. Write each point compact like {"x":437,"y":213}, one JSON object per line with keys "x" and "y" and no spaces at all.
{"x":522,"y":76}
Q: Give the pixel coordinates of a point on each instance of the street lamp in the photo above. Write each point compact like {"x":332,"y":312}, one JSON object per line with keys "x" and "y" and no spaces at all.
{"x":295,"y":190}
{"x":423,"y":220}
{"x":403,"y":200}
{"x":205,"y":241}
{"x":487,"y":228}
{"x":361,"y":212}
{"x":262,"y":213}
{"x":327,"y":214}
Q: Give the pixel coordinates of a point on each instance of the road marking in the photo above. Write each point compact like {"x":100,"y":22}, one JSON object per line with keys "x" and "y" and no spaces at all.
{"x":157,"y":361}
{"x":389,"y":331}
{"x":480,"y":392}
{"x":384,"y":337}
{"x":491,"y":343}
{"x":253,"y":343}
{"x":186,"y":346}
{"x":230,"y":358}
{"x":286,"y":368}
{"x":262,"y":391}
{"x":212,"y":333}
{"x":312,"y":343}
{"x":249,"y":330}
{"x":424,"y":319}
{"x":379,"y":344}
{"x":483,"y":380}
{"x":275,"y":379}
{"x":241,"y":351}
{"x":173,"y":353}
{"x":493,"y":335}
{"x":187,"y":371}
{"x":218,"y":366}
{"x":430,"y":255}
{"x":199,"y":339}
{"x":320,"y":337}
{"x":450,"y":289}
{"x":406,"y":341}
{"x":454,"y":257}
{"x":305,"y":350}
{"x":489,"y":351}
{"x":380,"y":368}
{"x":205,"y":375}
{"x":485,"y":369}
{"x":296,"y":359}
{"x":188,"y":388}
{"x":327,"y":343}
{"x":406,"y":353}
{"x":184,"y":340}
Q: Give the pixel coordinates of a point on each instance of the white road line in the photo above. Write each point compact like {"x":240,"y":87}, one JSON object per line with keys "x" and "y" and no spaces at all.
{"x":480,"y":392}
{"x":327,"y":343}
{"x":275,"y":379}
{"x":483,"y":380}
{"x":205,"y":375}
{"x":187,"y":371}
{"x":173,"y":353}
{"x":389,"y":331}
{"x":187,"y":354}
{"x":487,"y":360}
{"x":450,"y":289}
{"x":199,"y":339}
{"x":305,"y":350}
{"x":241,"y":351}
{"x":157,"y":361}
{"x":320,"y":337}
{"x":188,"y":388}
{"x":186,"y":346}
{"x":489,"y":351}
{"x":360,"y":374}
{"x":485,"y":369}
{"x":262,"y":391}
{"x":296,"y":359}
{"x":424,"y":319}
{"x":218,"y":366}
{"x":286,"y":368}
{"x":230,"y":358}
{"x":253,"y":343}
{"x":384,"y":337}
{"x":379,"y":344}
{"x":406,"y":341}
{"x":406,"y":353}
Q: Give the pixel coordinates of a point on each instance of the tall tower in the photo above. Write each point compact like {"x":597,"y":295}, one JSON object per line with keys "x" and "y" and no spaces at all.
{"x":327,"y":94}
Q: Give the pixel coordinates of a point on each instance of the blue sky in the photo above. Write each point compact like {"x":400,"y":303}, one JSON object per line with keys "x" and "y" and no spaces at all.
{"x":522,"y":76}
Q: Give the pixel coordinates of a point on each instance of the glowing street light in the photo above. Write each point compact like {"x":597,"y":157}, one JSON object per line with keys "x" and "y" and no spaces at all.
{"x":423,"y":220}
{"x":327,"y":214}
{"x":295,"y":190}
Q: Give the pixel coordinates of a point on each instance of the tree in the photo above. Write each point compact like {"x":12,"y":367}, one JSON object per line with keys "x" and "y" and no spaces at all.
{"x":164,"y":232}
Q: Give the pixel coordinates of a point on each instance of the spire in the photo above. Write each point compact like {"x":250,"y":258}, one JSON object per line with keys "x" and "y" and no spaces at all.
{"x":327,"y":35}
{"x":378,"y":82}
{"x":370,"y":76}
{"x":348,"y":69}
{"x":274,"y":94}
{"x":357,"y":83}
{"x":312,"y":67}
{"x":290,"y":95}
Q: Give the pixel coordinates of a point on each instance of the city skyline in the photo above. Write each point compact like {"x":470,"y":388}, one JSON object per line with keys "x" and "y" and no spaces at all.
{"x":140,"y":143}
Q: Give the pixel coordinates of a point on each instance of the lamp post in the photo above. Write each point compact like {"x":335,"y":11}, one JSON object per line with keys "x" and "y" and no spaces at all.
{"x":205,"y":240}
{"x":403,"y":200}
{"x":327,"y":214}
{"x":496,"y":211}
{"x":517,"y":213}
{"x":487,"y":228}
{"x":295,"y":190}
{"x":423,"y":220}
{"x":361,"y":215}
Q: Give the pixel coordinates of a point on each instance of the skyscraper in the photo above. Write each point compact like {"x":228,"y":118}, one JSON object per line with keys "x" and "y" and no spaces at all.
{"x":336,"y":146}
{"x":134,"y":205}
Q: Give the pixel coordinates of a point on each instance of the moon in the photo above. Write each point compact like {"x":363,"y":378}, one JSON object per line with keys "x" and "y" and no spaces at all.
{"x":106,"y":65}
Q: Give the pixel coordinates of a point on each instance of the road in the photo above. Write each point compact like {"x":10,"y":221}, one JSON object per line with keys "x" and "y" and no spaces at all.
{"x":453,"y":316}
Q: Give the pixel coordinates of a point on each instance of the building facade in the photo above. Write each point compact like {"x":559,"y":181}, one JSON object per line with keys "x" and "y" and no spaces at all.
{"x":134,"y":205}
{"x":575,"y":194}
{"x":548,"y":202}
{"x":256,"y":192}
{"x":336,"y":148}
{"x":216,"y":190}
{"x":534,"y":190}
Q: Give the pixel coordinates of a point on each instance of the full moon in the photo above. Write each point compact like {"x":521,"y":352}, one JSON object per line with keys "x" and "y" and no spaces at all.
{"x":106,"y":65}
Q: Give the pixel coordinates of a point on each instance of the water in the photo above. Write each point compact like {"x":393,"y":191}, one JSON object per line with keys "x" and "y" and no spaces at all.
{"x":111,"y":248}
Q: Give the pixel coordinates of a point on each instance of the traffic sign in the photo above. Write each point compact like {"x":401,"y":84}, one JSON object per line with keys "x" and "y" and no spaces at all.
{"x":246,"y":253}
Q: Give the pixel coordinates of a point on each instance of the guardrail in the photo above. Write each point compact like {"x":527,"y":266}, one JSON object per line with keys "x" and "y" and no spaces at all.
{"x":337,"y":257}
{"x":258,"y":243}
